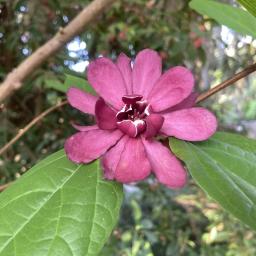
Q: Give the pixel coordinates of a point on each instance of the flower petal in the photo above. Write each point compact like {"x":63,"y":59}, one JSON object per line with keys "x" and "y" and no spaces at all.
{"x":154,"y":123}
{"x":107,"y":80}
{"x":111,"y":159}
{"x":83,"y":147}
{"x":189,"y":102}
{"x":146,"y":71}
{"x":105,"y":116}
{"x":84,"y":128}
{"x":167,"y":168}
{"x":172,"y":88}
{"x":81,"y":100}
{"x":192,"y":124}
{"x":127,"y":161}
{"x":124,"y":64}
{"x":131,"y":128}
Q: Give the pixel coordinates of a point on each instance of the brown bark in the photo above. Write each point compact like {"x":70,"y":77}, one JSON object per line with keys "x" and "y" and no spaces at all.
{"x":14,"y":80}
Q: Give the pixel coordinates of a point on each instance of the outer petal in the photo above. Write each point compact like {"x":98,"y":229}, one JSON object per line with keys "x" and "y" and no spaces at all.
{"x":124,"y":64}
{"x":165,"y":165}
{"x":189,"y":102}
{"x":81,"y":100}
{"x":83,"y":128}
{"x":132,"y":164}
{"x":105,"y":116}
{"x":146,"y":71}
{"x":192,"y":124}
{"x":173,"y":87}
{"x":83,"y":147}
{"x":107,"y":80}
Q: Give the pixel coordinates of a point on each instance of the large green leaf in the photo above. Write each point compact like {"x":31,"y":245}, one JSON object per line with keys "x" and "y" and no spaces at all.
{"x":250,"y":5}
{"x":225,"y":167}
{"x":60,"y":209}
{"x":70,"y":80}
{"x":235,"y":18}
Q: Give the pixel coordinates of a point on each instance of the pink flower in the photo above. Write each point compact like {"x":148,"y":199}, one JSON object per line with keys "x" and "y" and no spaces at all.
{"x":136,"y":104}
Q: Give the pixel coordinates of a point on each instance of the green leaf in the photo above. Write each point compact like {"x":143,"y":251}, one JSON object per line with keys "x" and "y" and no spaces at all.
{"x":234,"y":18}
{"x":250,"y":5}
{"x":69,"y":81}
{"x":58,"y":208}
{"x":225,"y":167}
{"x":79,"y":83}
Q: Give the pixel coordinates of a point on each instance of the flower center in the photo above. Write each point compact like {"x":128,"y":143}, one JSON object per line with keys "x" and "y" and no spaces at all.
{"x":130,"y":119}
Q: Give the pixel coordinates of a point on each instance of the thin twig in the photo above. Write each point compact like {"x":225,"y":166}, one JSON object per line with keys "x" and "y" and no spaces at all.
{"x":32,"y":123}
{"x":250,"y":69}
{"x":15,"y":79}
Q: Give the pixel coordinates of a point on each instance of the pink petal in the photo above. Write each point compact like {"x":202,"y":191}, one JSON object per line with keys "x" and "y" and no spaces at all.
{"x":127,"y":161}
{"x":192,"y":124}
{"x":111,"y":159}
{"x":83,"y":128}
{"x":154,"y":123}
{"x":83,"y":147}
{"x":124,"y":64}
{"x":167,"y":168}
{"x":81,"y":100}
{"x":146,"y":71}
{"x":107,"y":80}
{"x":105,"y":116}
{"x":172,"y":88}
{"x":189,"y":102}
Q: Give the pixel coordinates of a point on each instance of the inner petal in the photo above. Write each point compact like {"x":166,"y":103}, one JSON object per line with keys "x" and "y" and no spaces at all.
{"x":131,"y":99}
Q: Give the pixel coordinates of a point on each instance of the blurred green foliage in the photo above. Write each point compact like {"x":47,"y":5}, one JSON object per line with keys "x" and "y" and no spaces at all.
{"x":154,"y":220}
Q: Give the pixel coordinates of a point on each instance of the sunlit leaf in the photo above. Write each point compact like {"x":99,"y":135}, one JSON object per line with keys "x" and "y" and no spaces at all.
{"x":234,"y":18}
{"x":70,"y":81}
{"x":78,"y":82}
{"x":250,"y":5}
{"x":58,"y":208}
{"x":225,"y":167}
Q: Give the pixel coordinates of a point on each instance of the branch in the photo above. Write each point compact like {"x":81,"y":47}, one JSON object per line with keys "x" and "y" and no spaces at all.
{"x":228,"y":82}
{"x":32,"y":123}
{"x":15,"y":79}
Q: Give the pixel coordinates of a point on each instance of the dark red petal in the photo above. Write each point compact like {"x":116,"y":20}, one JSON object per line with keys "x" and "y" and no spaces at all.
{"x":131,"y":99}
{"x":127,"y":127}
{"x":105,"y":116}
{"x":154,"y":123}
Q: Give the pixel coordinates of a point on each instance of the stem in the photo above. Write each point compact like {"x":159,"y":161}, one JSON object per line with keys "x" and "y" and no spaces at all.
{"x":32,"y":123}
{"x":250,"y":69}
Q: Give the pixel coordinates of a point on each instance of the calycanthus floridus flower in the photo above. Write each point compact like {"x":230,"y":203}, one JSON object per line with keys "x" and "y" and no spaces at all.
{"x":136,"y":103}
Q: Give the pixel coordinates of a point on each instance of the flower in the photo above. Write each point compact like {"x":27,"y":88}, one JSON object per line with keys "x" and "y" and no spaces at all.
{"x":135,"y":104}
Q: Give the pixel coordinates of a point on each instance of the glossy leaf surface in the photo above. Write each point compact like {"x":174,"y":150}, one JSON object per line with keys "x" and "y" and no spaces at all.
{"x":225,"y":167}
{"x":60,"y":209}
{"x":234,"y":18}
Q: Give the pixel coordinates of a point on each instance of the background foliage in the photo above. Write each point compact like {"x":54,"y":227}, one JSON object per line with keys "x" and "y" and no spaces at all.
{"x":155,"y":221}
